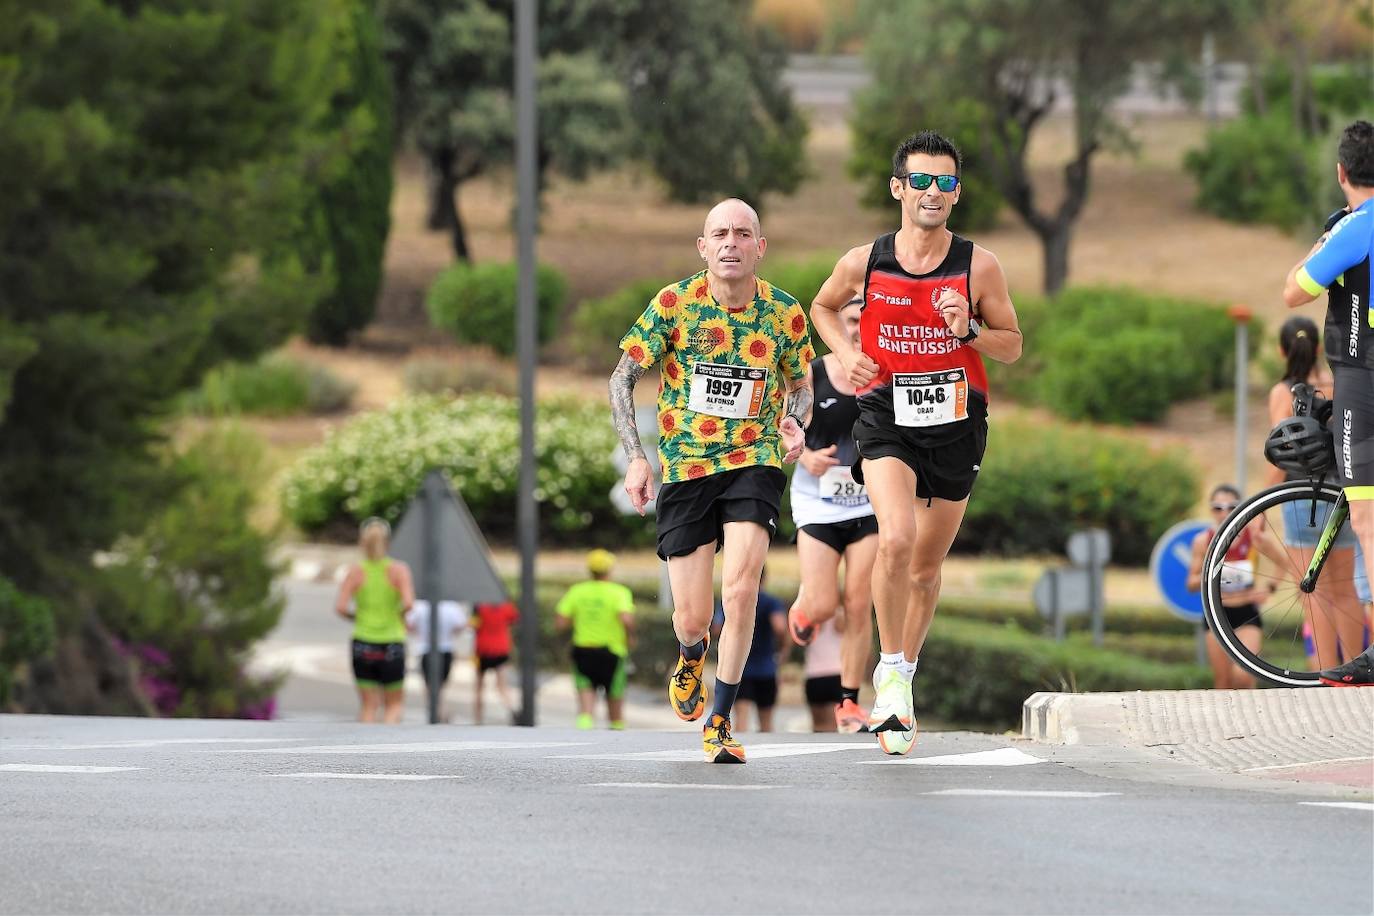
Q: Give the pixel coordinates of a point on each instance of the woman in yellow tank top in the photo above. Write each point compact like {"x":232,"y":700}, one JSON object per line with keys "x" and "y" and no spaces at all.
{"x":381,"y":592}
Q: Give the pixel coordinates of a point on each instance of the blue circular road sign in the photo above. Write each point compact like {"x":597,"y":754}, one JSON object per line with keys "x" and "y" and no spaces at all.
{"x":1169,"y":563}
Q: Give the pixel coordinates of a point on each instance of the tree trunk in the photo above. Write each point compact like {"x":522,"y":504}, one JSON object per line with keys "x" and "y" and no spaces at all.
{"x":443,"y":203}
{"x":1054,"y":241}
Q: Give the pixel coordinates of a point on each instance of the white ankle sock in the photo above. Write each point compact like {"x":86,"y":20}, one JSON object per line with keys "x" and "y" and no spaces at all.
{"x":907,"y":668}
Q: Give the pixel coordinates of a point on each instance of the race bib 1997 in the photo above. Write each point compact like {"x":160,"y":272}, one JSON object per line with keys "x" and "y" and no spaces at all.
{"x":931,"y":398}
{"x":732,"y":392}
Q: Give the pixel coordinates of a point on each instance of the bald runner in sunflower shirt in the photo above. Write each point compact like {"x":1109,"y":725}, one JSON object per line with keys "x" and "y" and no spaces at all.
{"x":732,"y":408}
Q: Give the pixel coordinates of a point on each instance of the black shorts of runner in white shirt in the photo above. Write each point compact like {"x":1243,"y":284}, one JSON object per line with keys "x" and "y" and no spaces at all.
{"x":943,"y":471}
{"x":839,"y":535}
{"x":691,"y":513}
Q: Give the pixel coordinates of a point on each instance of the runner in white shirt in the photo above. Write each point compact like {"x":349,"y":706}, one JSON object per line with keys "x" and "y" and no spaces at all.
{"x":835,"y":523}
{"x":453,"y":619}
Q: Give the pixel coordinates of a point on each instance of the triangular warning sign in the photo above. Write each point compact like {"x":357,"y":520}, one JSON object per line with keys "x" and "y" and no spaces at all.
{"x":444,"y":547}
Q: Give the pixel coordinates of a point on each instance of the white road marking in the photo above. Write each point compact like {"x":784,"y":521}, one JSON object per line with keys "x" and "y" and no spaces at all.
{"x":417,"y":747}
{"x":1306,"y":763}
{"x":1002,"y":757}
{"x":676,"y":785}
{"x":1357,"y":806}
{"x":46,"y":768}
{"x":149,"y":742}
{"x":399,"y":776}
{"x":755,"y":752}
{"x":1020,"y":793}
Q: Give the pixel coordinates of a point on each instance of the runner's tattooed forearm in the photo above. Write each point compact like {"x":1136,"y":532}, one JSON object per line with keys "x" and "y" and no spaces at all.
{"x":799,"y":404}
{"x":623,"y":405}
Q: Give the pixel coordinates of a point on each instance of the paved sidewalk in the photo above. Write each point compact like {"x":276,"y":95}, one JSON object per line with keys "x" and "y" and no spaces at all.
{"x":1314,"y":735}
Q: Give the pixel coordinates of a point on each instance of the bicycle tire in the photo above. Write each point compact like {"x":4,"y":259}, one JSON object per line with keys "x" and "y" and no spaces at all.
{"x":1284,"y":613}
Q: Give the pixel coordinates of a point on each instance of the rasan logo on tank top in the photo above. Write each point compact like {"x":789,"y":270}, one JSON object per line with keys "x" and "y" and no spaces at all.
{"x":889,"y":300}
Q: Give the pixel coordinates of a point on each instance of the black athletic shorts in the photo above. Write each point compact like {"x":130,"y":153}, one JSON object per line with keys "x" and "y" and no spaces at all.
{"x":597,"y":666}
{"x":839,"y":535}
{"x":379,"y":664}
{"x":825,"y":689}
{"x":487,"y":663}
{"x":1243,"y":615}
{"x":694,"y":512}
{"x":945,"y":471}
{"x":761,"y":691}
{"x":445,"y":665}
{"x":1352,"y":425}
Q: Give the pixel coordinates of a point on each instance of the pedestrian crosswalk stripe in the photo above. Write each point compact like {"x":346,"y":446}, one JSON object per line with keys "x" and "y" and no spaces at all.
{"x":1002,"y":757}
{"x":397,"y":776}
{"x":417,"y":747}
{"x":1357,"y":806}
{"x":1020,"y":793}
{"x":676,"y":785}
{"x":52,"y":768}
{"x":755,"y":752}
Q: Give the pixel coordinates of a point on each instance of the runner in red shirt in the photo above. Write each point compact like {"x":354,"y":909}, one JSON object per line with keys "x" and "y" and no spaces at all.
{"x":934,"y":305}
{"x":491,"y":649}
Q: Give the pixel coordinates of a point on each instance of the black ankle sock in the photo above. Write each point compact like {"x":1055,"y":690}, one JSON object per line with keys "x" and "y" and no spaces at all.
{"x":849,"y":693}
{"x":694,"y":651}
{"x":725,"y":698}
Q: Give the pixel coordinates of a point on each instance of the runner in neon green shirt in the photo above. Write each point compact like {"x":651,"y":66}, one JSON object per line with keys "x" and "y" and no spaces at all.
{"x":600,"y":614}
{"x":380,"y":591}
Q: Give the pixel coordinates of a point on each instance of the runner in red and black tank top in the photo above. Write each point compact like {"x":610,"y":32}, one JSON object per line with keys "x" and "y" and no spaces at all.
{"x":906,"y":336}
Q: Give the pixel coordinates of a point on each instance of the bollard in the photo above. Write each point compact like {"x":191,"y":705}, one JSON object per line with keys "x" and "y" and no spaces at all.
{"x":1241,"y":314}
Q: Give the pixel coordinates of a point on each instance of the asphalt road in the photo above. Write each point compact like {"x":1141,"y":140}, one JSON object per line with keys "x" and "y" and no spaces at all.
{"x":287,"y":817}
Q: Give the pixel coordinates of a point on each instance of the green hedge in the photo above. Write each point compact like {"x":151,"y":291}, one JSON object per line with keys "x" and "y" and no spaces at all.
{"x":1040,"y":483}
{"x":980,"y":674}
{"x":27,"y":632}
{"x":596,"y":327}
{"x":476,"y":303}
{"x":1119,"y":355}
{"x":277,"y":385}
{"x":375,"y":464}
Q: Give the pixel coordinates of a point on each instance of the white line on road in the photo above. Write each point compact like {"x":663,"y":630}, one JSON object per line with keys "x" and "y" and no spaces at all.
{"x":1020,"y":793}
{"x":46,"y":768}
{"x":400,"y":776}
{"x":417,"y":747}
{"x":1002,"y":757}
{"x":755,"y":751}
{"x":1306,"y":763}
{"x":1357,"y":806}
{"x":676,"y":785}
{"x":149,"y":742}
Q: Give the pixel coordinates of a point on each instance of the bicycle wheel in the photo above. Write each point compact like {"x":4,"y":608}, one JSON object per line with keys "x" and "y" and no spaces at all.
{"x":1300,"y":630}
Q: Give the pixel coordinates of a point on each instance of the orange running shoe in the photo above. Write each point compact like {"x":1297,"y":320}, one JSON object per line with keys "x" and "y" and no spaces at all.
{"x":686,"y":689}
{"x":718,"y":743}
{"x":850,"y":717}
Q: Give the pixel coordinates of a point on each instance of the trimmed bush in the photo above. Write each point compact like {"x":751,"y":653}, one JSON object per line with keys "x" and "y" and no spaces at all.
{"x":275,"y":386}
{"x":1039,"y":484}
{"x":476,"y":303}
{"x":375,"y":464}
{"x":1000,"y":666}
{"x":470,"y":375}
{"x":598,"y":324}
{"x":1119,"y":355}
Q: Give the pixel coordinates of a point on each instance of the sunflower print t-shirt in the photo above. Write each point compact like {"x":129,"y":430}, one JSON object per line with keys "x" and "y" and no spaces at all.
{"x":740,"y":363}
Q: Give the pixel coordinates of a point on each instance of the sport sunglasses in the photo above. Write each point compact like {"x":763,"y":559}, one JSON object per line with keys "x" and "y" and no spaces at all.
{"x":921,"y":180}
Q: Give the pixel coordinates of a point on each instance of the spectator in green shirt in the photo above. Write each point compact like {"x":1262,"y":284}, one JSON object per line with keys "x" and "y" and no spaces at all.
{"x":600,"y":614}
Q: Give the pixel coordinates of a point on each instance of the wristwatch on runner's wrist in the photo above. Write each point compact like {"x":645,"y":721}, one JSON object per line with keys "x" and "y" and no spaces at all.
{"x":800,"y":424}
{"x":972,"y":334}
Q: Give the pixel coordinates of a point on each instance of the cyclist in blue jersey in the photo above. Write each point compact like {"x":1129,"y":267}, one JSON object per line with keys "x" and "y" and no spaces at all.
{"x":1340,"y":263}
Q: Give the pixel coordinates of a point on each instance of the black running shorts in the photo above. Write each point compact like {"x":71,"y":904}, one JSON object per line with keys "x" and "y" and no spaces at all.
{"x":1242,"y":615}
{"x":945,"y":471}
{"x":597,"y":666}
{"x":839,"y":535}
{"x":825,"y":689}
{"x":1352,"y":425}
{"x":445,"y":666}
{"x":761,"y":691}
{"x":487,"y":663}
{"x":691,"y":513}
{"x":379,"y":664}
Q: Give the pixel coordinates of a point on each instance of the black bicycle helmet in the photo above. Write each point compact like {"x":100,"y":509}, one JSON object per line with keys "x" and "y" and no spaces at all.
{"x":1300,"y":445}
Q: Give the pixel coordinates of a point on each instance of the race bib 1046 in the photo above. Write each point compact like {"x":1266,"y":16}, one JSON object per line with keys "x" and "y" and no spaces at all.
{"x":838,"y":486}
{"x":732,"y":392}
{"x":930,"y":399}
